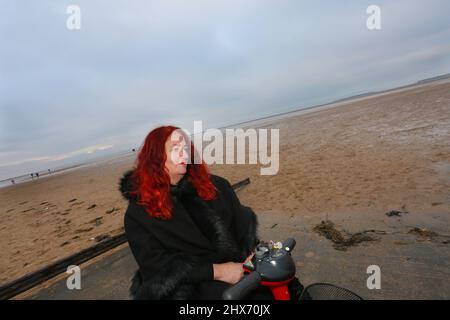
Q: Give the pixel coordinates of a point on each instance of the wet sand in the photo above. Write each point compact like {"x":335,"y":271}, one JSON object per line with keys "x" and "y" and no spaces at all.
{"x":351,"y":163}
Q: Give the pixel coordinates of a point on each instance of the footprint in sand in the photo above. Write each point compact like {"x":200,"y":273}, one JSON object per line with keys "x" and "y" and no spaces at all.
{"x":84,"y":230}
{"x":60,"y":235}
{"x":112,"y":210}
{"x":98,"y":221}
{"x":92,"y":206}
{"x":41,"y":211}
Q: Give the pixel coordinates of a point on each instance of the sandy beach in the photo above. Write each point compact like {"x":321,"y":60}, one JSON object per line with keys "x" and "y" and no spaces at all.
{"x":351,"y":163}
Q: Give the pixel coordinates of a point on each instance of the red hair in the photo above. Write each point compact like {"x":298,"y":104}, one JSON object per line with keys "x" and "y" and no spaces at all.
{"x":151,"y":180}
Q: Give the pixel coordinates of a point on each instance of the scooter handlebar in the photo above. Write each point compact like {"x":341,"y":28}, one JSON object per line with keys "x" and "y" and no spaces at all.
{"x":243,"y":287}
{"x":289,"y":243}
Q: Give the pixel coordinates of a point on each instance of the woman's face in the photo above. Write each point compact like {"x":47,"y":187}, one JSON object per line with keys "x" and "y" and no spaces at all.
{"x":177,"y":155}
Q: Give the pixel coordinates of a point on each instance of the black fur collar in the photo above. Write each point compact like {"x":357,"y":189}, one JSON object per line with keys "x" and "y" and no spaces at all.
{"x":126,"y":185}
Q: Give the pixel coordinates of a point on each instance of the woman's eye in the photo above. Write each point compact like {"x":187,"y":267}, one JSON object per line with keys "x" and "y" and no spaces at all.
{"x":177,"y":148}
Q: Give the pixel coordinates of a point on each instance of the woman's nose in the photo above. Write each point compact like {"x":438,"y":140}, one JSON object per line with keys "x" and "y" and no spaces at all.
{"x":184,"y":154}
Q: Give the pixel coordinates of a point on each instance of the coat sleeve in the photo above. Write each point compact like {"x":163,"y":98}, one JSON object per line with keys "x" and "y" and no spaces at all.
{"x":162,"y":273}
{"x":245,"y":222}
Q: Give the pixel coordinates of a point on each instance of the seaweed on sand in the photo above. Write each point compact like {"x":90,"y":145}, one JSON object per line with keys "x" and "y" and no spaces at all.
{"x":342,"y":242}
{"x":423,"y":233}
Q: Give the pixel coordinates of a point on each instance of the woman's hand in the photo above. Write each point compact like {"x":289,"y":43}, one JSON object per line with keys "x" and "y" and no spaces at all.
{"x":230,"y":272}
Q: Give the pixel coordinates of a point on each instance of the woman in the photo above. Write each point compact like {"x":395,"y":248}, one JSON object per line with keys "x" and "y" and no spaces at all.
{"x":186,"y":228}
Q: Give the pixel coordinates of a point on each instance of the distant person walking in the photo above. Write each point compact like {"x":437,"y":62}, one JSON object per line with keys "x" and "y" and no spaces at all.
{"x":32,"y":176}
{"x":13,"y":182}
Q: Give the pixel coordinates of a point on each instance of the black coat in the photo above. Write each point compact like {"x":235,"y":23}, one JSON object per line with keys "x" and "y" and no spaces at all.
{"x":175,"y":256}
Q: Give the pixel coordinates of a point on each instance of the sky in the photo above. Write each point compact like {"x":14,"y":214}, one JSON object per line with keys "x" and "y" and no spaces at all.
{"x":67,"y":95}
